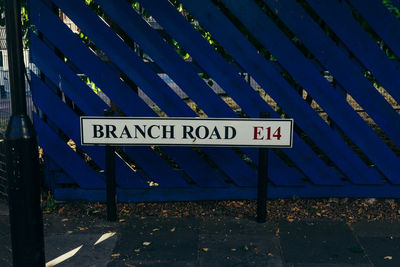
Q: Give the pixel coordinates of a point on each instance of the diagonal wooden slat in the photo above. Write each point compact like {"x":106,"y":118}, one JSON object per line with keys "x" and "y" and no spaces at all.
{"x":396,"y":3}
{"x":385,"y":24}
{"x":306,"y":75}
{"x":68,"y":82}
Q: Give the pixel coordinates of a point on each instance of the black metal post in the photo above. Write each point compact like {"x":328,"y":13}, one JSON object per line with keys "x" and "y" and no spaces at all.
{"x":22,"y":159}
{"x":262,"y":184}
{"x":110,"y":179}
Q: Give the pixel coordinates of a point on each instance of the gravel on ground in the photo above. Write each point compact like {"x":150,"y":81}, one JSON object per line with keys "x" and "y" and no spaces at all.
{"x":343,"y":209}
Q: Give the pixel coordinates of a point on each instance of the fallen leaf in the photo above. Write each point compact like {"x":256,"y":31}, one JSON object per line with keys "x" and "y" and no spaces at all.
{"x":233,"y":249}
{"x":115,"y":255}
{"x":277,"y":232}
{"x":122,"y":220}
{"x":388,"y":257}
{"x":146,"y":243}
{"x":270,"y":254}
{"x":65,"y":220}
{"x":246,"y":248}
{"x":61,"y":210}
{"x":82,"y":228}
{"x":137,"y":250}
{"x":172,"y":229}
{"x":156,"y":229}
{"x":204,"y":249}
{"x":125,"y":211}
{"x":289,"y":219}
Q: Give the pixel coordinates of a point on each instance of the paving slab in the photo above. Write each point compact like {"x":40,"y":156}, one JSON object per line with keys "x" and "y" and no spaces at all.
{"x":5,"y":238}
{"x":376,"y":228}
{"x":157,"y":242}
{"x":4,"y":226}
{"x":3,"y":208}
{"x":381,"y":241}
{"x":232,"y":242}
{"x":5,"y":251}
{"x":320,"y":242}
{"x":83,"y":245}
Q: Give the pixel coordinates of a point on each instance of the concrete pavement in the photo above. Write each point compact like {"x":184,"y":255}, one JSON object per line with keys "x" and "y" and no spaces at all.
{"x":211,"y":241}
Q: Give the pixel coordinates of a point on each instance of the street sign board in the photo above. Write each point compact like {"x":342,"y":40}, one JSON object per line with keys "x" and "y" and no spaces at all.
{"x":187,"y":131}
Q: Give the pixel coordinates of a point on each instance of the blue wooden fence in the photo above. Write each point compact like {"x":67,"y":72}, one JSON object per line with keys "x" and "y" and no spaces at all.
{"x":331,"y":65}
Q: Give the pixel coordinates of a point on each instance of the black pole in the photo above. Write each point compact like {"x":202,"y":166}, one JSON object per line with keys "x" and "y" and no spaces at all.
{"x":110,"y":179}
{"x":22,"y":159}
{"x":262,"y":185}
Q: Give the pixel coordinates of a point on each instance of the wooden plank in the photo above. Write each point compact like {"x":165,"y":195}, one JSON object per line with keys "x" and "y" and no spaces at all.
{"x":339,"y":65}
{"x":109,"y":82}
{"x":83,"y":175}
{"x":54,"y":174}
{"x":310,"y":78}
{"x":360,"y":44}
{"x":384,"y":23}
{"x":194,"y":193}
{"x":61,"y":75}
{"x":396,"y":3}
{"x":230,"y":80}
{"x":265,"y":74}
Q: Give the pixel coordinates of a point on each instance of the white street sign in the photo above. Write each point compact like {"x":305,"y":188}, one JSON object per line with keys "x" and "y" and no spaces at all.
{"x":187,"y":131}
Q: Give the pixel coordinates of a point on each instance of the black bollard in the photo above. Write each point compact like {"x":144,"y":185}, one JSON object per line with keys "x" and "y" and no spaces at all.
{"x":22,"y":159}
{"x":262,"y":183}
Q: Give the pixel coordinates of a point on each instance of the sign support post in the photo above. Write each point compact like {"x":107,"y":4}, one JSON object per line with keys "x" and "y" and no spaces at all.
{"x":110,"y":178}
{"x":262,"y":183}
